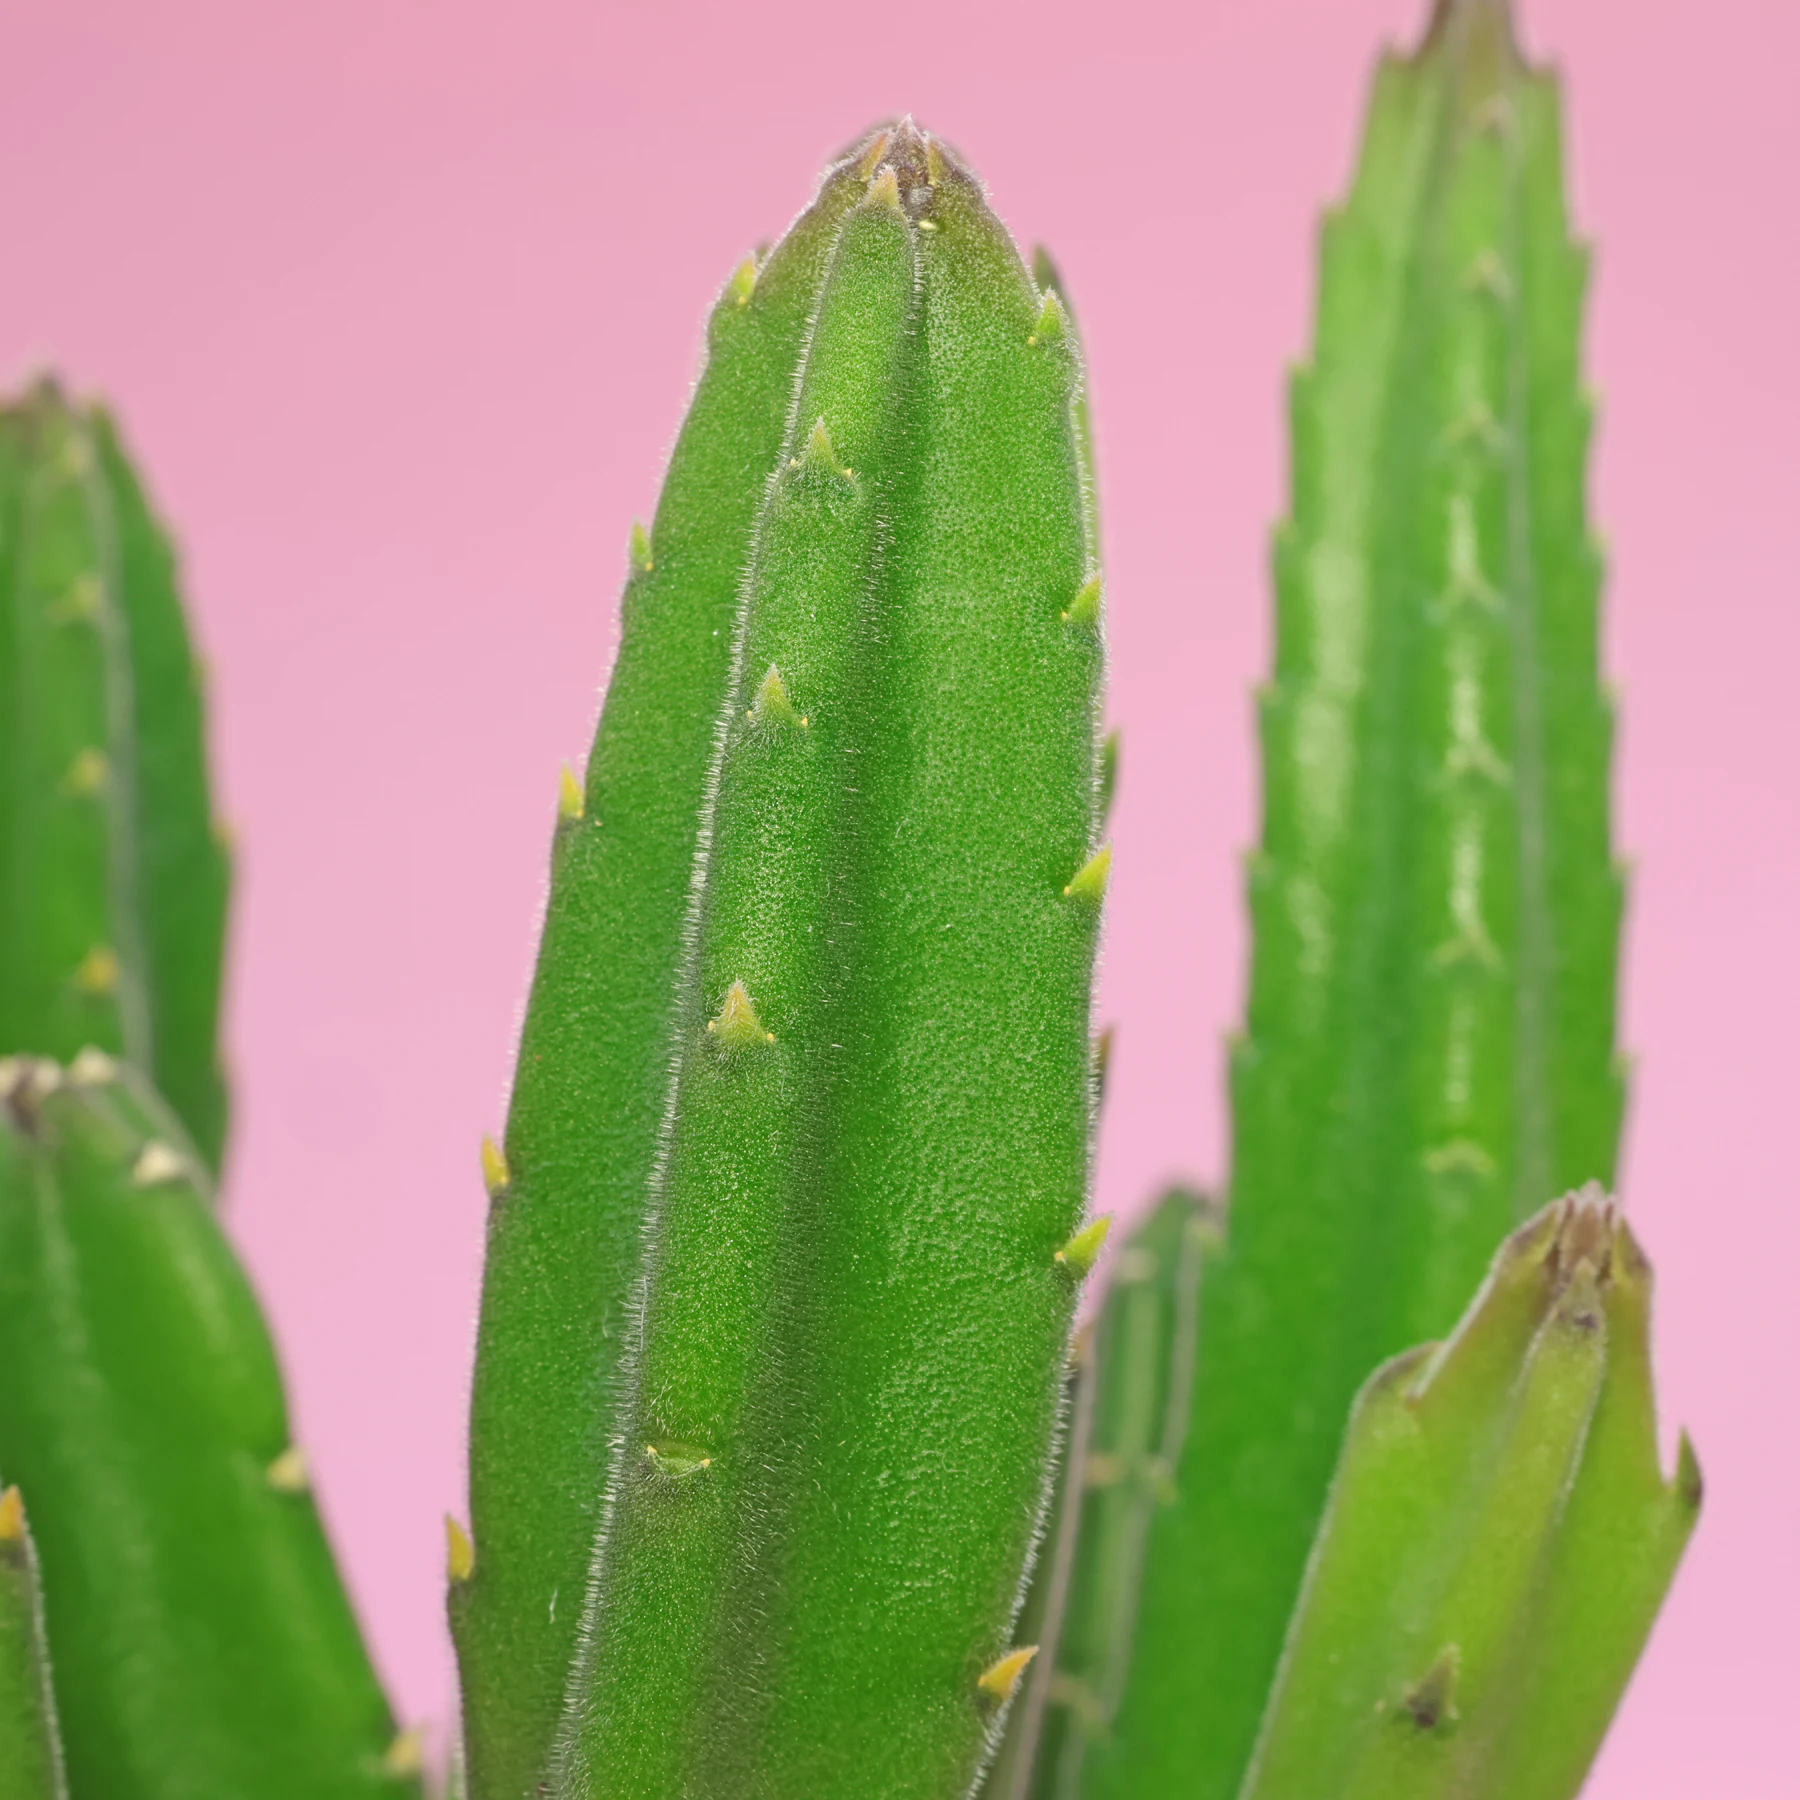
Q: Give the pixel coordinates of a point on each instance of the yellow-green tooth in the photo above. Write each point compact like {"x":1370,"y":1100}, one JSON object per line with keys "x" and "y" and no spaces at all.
{"x":1498,"y":1538}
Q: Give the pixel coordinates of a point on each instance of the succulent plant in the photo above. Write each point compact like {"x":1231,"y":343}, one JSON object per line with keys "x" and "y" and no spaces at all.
{"x":787,"y":1476}
{"x":30,"y":1742}
{"x":1497,"y":1541}
{"x":201,"y":1641}
{"x":1428,"y":1056}
{"x":839,"y":838}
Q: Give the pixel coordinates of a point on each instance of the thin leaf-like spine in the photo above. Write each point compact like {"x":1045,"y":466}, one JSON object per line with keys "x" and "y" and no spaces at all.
{"x":1428,"y":1054}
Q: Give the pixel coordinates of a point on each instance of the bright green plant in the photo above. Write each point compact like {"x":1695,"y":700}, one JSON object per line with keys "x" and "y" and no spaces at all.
{"x":786,"y":1478}
{"x":822,"y":1330}
{"x":1429,"y":1054}
{"x":1497,"y":1541}
{"x":113,"y":875}
{"x":203,"y":1648}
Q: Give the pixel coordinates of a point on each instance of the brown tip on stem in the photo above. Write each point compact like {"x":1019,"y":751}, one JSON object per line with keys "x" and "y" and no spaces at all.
{"x":1446,"y":14}
{"x":1588,"y":1236}
{"x":919,"y":163}
{"x":12,"y":1516}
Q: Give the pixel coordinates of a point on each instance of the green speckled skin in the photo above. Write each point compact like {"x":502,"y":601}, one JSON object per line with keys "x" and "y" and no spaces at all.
{"x":565,"y":1240}
{"x":113,"y":880}
{"x":203,"y":1648}
{"x":1428,"y":1055}
{"x":1497,"y":1541}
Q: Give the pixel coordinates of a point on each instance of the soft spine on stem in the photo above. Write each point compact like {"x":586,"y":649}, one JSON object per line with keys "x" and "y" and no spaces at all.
{"x":175,"y":1599}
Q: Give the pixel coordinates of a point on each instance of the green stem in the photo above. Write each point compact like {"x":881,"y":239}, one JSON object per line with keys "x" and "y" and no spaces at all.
{"x":1429,"y":1046}
{"x":113,"y":879}
{"x":565,"y":1230}
{"x":205,"y":1649}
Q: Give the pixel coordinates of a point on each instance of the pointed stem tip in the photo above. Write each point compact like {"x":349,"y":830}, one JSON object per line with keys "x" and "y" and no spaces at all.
{"x":821,"y":454}
{"x":884,"y":190}
{"x":772,"y":705}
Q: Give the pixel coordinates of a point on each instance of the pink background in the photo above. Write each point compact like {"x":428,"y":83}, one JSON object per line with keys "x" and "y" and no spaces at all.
{"x":400,"y":302}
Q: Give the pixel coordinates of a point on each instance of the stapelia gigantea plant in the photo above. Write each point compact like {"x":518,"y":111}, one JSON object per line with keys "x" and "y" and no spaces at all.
{"x":785,"y":1477}
{"x":837,"y":853}
{"x":200,"y":1641}
{"x":1429,"y":1053}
